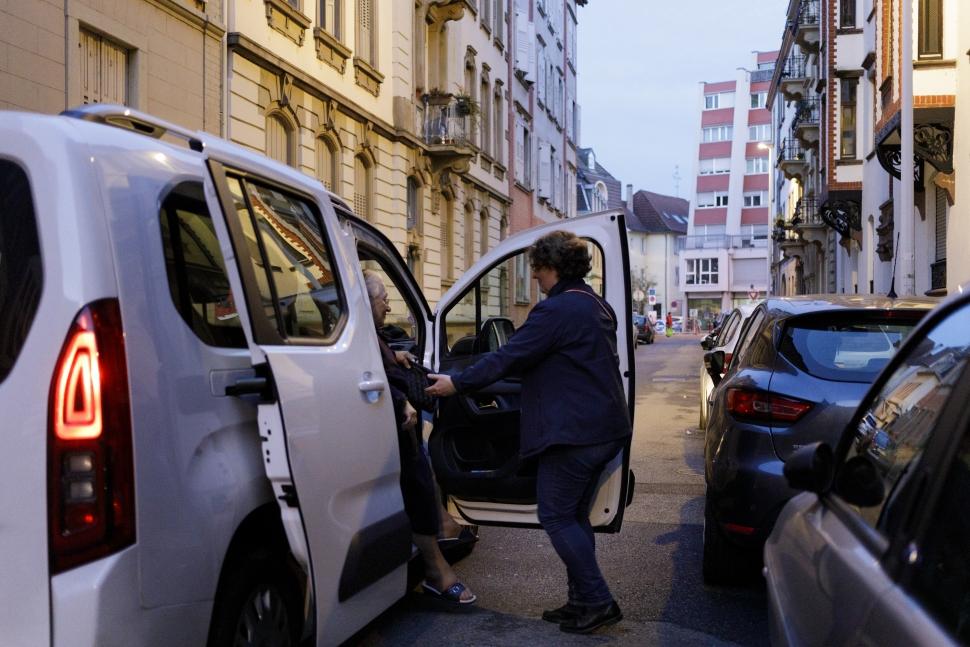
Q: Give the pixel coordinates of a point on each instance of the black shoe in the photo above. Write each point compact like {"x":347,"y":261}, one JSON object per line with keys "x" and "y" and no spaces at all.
{"x":592,"y":619}
{"x":563,"y":613}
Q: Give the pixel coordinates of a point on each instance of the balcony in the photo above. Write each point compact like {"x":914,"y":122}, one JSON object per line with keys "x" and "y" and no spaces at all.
{"x":807,"y":215}
{"x":722,"y":241}
{"x":790,"y":241}
{"x":805,"y":123}
{"x":793,"y":77}
{"x":807,"y":25}
{"x":792,"y":160}
{"x":446,"y":128}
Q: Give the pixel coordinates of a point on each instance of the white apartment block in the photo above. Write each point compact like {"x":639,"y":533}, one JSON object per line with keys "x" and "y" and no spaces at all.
{"x":724,"y":256}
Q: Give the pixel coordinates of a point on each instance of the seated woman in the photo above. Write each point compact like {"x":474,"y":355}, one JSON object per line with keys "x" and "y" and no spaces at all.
{"x":417,"y":482}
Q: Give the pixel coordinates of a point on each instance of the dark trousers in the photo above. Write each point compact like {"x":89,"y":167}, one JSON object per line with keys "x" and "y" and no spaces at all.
{"x":567,"y":480}
{"x":417,"y":486}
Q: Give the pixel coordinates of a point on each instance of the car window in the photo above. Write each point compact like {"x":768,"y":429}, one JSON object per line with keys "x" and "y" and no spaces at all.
{"x":843,"y":347}
{"x":941,"y":580}
{"x":896,"y":426}
{"x":195,"y":268}
{"x":297,"y":283}
{"x":730,"y":328}
{"x":21,"y":270}
{"x":748,"y":332}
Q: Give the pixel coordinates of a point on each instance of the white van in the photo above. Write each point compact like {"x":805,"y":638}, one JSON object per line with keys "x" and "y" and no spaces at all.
{"x":199,"y":444}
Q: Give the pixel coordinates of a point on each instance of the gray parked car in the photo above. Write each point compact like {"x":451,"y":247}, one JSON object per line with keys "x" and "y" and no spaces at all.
{"x":878,"y":552}
{"x":798,"y":372}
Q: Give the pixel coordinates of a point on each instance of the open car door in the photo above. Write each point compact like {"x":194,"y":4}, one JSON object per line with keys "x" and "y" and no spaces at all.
{"x":324,"y":410}
{"x":475,"y":443}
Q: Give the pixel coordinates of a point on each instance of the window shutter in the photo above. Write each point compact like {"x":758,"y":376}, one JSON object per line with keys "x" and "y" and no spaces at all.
{"x":541,"y":82}
{"x":519,"y":151}
{"x":577,"y":116}
{"x":90,"y":59}
{"x":499,"y":20}
{"x":365,"y":24}
{"x":524,"y":45}
{"x":545,"y":171}
{"x":940,"y":224}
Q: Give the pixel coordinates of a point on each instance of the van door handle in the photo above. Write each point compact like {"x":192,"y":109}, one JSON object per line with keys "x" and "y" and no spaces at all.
{"x":370,"y":384}
{"x":260,"y":386}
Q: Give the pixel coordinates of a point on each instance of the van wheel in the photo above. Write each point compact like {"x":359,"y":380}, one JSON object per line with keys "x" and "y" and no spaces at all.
{"x":258,"y":604}
{"x":723,"y":563}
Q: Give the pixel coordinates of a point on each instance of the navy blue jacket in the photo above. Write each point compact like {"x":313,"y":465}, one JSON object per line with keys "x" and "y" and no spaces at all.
{"x":565,"y":354}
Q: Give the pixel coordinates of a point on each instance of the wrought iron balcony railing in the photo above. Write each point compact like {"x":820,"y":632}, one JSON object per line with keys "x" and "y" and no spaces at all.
{"x":807,"y":214}
{"x":447,"y":124}
{"x":808,"y":13}
{"x":791,"y":151}
{"x":795,"y":67}
{"x":807,"y":113}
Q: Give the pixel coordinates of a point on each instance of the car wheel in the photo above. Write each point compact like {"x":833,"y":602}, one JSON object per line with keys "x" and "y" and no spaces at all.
{"x":258,"y":604}
{"x":723,"y":563}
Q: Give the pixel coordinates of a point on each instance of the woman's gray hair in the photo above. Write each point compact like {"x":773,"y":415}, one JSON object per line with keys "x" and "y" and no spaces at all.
{"x":373,"y":282}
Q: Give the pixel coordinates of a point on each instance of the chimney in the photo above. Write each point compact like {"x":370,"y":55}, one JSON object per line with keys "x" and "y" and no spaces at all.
{"x":629,"y":197}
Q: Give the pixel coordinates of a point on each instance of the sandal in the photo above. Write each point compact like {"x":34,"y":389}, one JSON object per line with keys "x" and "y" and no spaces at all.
{"x":451,"y":595}
{"x":466,"y":536}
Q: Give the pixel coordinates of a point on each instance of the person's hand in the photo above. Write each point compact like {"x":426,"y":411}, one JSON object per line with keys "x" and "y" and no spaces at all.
{"x":442,"y":387}
{"x":403,"y":358}
{"x":410,"y":417}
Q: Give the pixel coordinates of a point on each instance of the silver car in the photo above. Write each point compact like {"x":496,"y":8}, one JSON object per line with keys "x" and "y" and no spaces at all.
{"x":877,"y":552}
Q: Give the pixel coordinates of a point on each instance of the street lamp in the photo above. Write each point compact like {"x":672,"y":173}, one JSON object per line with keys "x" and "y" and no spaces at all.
{"x":771,"y":206}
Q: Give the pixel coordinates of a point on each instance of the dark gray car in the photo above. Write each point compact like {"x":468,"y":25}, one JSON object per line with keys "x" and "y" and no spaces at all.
{"x":798,"y":372}
{"x":878,"y":553}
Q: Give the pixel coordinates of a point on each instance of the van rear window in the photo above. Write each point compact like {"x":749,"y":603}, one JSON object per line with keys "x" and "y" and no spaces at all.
{"x":845,"y":348}
{"x":21,"y":270}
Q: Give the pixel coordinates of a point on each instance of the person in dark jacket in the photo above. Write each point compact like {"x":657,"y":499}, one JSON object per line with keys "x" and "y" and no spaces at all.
{"x":417,"y":481}
{"x":574,"y":414}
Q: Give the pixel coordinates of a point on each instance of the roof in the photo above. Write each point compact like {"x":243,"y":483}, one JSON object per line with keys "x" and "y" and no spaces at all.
{"x":658,"y":213}
{"x":587,"y":177}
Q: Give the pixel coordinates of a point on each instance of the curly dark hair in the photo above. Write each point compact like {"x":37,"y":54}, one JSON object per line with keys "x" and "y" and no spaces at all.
{"x":562,"y":251}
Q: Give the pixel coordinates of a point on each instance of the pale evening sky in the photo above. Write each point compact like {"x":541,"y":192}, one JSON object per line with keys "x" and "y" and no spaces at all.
{"x":640,"y":62}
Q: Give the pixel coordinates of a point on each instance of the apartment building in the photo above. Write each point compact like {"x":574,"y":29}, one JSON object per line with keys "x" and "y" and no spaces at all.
{"x":658,"y":222}
{"x":160,"y":56}
{"x":724,"y":256}
{"x":844,"y":221}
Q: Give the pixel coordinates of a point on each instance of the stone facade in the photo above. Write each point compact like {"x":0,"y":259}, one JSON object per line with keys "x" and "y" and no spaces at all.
{"x":164,"y":57}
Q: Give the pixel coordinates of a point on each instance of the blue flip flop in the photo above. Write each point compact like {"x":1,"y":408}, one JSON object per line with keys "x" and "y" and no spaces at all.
{"x":452,"y":594}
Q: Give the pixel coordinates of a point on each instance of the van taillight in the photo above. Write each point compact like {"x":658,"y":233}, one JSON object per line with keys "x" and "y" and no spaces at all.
{"x":765,"y":407}
{"x":91,"y":502}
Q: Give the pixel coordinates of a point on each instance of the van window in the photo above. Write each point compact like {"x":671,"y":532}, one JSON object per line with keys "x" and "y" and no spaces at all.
{"x":196,"y":270}
{"x":21,"y":270}
{"x":291,"y":261}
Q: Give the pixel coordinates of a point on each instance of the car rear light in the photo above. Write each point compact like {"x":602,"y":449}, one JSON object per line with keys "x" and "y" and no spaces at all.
{"x":765,"y":407}
{"x":91,"y":503}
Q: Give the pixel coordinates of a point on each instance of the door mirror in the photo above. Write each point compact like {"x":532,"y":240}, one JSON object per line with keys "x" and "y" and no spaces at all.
{"x":708,"y":342}
{"x":494,"y":334}
{"x":714,"y":363}
{"x":859,"y":482}
{"x":810,"y":468}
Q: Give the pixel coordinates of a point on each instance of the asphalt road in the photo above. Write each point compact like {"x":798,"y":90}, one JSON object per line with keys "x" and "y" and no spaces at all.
{"x":653,"y":565}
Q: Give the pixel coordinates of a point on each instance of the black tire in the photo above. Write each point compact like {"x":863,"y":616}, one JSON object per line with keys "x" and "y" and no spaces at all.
{"x":723,"y":562}
{"x":258,"y":603}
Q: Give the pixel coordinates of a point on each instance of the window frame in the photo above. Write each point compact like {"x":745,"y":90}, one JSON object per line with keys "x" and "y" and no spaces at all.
{"x":929,"y":20}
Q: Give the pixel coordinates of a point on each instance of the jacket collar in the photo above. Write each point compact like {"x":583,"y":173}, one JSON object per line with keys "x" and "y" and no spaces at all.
{"x":567,"y":284}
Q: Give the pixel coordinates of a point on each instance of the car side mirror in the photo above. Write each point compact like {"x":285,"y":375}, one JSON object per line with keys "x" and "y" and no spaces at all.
{"x":714,"y":363}
{"x":859,"y":482}
{"x":811,"y":468}
{"x":494,"y":334}
{"x":707,"y":343}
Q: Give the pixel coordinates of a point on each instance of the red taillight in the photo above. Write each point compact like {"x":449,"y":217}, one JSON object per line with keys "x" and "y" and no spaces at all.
{"x":91,"y":503}
{"x":765,"y":407}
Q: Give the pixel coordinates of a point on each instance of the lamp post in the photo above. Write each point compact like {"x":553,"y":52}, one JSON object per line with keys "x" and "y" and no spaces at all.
{"x":770,"y":251}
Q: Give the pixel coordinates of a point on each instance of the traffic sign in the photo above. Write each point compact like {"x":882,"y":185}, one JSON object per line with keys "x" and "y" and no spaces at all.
{"x":651,"y":299}
{"x":638,"y":295}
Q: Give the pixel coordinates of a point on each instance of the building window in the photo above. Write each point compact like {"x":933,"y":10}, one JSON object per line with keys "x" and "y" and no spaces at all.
{"x":362,"y":189}
{"x":847,"y":13}
{"x":759,"y":133}
{"x":717,"y":134}
{"x":330,"y":12}
{"x":469,"y":238}
{"x":714,"y":166}
{"x":498,"y":30}
{"x":366,"y":34}
{"x":522,"y":279}
{"x":326,"y":164}
{"x":701,"y":271}
{"x":712,"y":199}
{"x":498,"y":152}
{"x":104,"y":70}
{"x":413,"y":205}
{"x":483,"y":233}
{"x":486,"y":117}
{"x":847,"y":146}
{"x":279,"y":140}
{"x":754,"y":199}
{"x":756,"y":165}
{"x":759,"y":99}
{"x":930,"y":29}
{"x":448,"y":240}
{"x":718,"y":100}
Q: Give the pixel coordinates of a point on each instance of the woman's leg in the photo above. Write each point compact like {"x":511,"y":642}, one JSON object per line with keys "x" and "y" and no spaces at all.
{"x":566,"y":479}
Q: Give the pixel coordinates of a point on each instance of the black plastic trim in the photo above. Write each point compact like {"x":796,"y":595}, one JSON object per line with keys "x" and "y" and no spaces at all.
{"x":374,"y":552}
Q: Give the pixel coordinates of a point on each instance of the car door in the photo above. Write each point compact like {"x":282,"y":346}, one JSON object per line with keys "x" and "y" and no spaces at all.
{"x":475,"y":442}
{"x":840,"y":573}
{"x":324,"y":413}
